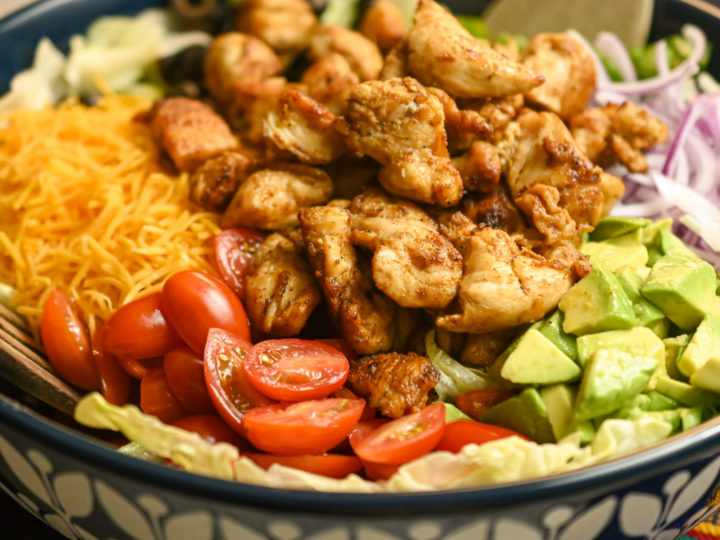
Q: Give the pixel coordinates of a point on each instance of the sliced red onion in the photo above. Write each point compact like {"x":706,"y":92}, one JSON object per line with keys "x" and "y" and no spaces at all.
{"x":688,"y":121}
{"x":612,"y":47}
{"x":661,"y":61}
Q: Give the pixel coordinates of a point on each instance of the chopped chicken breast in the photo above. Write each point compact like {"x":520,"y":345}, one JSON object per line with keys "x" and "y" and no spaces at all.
{"x":383,"y":23}
{"x":285,"y":25}
{"x":329,"y":81}
{"x":214,"y":183}
{"x":362,"y":54}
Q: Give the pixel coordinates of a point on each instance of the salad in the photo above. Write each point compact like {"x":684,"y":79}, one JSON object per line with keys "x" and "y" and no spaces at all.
{"x":431,"y":264}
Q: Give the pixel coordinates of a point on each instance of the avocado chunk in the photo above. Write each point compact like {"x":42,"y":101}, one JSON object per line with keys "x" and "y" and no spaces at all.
{"x":612,"y":256}
{"x":612,"y":227}
{"x":674,"y":348}
{"x":525,"y":413}
{"x":707,"y":376}
{"x":537,"y":360}
{"x":637,"y":341}
{"x":597,"y":303}
{"x":704,"y":345}
{"x":683,"y":288}
{"x":686,"y":394}
{"x":651,"y":233}
{"x":612,"y":378}
{"x":452,"y":413}
{"x":647,"y":313}
{"x":559,"y":400}
{"x":670,"y":244}
{"x":551,"y":328}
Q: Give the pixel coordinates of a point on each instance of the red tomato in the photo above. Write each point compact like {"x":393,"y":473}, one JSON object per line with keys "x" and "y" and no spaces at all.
{"x":341,"y":345}
{"x":139,"y":330}
{"x":211,"y":428}
{"x":231,"y":393}
{"x":157,"y":399}
{"x":308,"y":427}
{"x":378,"y":471}
{"x":67,"y":341}
{"x":195,"y":302}
{"x":185,"y":375}
{"x":461,"y":432}
{"x":296,"y":369}
{"x":404,"y":439}
{"x":345,"y":392}
{"x":138,"y":367}
{"x":234,"y":249}
{"x":475,"y":403}
{"x":114,"y":380}
{"x":332,"y":465}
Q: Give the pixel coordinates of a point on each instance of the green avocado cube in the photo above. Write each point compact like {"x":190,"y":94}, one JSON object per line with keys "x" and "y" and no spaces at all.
{"x":637,"y":341}
{"x":686,"y":394}
{"x":704,"y":344}
{"x":647,"y":313}
{"x":651,"y":233}
{"x":683,"y":288}
{"x":613,"y":227}
{"x":707,"y":376}
{"x":612,"y":378}
{"x":537,"y":360}
{"x":597,"y":303}
{"x":613,"y":256}
{"x":551,"y":328}
{"x":560,"y":400}
{"x":525,"y":413}
{"x":670,"y":244}
{"x":674,"y":348}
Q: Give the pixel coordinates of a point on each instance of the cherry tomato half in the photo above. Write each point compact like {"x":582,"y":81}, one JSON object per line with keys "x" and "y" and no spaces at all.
{"x":308,"y":427}
{"x":138,"y":367}
{"x":67,"y":341}
{"x":230,"y":391}
{"x":234,"y":249}
{"x":461,"y":432}
{"x":195,"y":302}
{"x":331,"y":465}
{"x":296,"y":369}
{"x":139,"y":330}
{"x":211,"y":428}
{"x":475,"y":402}
{"x":114,"y":380}
{"x":404,"y":439}
{"x":185,"y":375}
{"x":157,"y":399}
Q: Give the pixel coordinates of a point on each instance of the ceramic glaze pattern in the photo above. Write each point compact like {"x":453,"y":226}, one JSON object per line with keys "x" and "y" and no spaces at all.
{"x":75,"y":502}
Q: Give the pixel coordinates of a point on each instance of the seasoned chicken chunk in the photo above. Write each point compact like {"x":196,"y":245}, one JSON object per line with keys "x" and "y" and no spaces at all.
{"x":189,"y":131}
{"x":329,"y":81}
{"x":569,"y":73}
{"x":303,"y":127}
{"x":480,"y":167}
{"x":442,"y":53}
{"x":498,"y":112}
{"x":252,"y":100}
{"x":398,"y":123}
{"x":214,"y":183}
{"x":383,"y":23}
{"x":395,"y":63}
{"x":503,"y":285}
{"x":281,"y":290}
{"x":538,"y":149}
{"x":618,"y":133}
{"x":394,"y":384}
{"x":493,"y":208}
{"x":285,"y":25}
{"x":613,"y":189}
{"x":364,"y":316}
{"x":412,"y":262}
{"x":463,"y":126}
{"x":270,"y":198}
{"x":362,"y":54}
{"x":235,"y":58}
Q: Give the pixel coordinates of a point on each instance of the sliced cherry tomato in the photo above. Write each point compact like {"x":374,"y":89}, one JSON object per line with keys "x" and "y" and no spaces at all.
{"x":378,"y":471}
{"x":211,"y":428}
{"x":157,"y":399}
{"x":139,"y":330}
{"x":296,"y":369}
{"x":114,"y":380}
{"x":195,"y":302}
{"x":404,"y":439}
{"x":331,"y":465}
{"x":345,"y":392}
{"x":230,"y":391}
{"x":374,"y":471}
{"x":186,"y":377}
{"x":308,"y":427}
{"x":234,"y":249}
{"x":138,"y":367}
{"x":461,"y":432}
{"x":341,"y":345}
{"x":475,"y":403}
{"x":67,"y":341}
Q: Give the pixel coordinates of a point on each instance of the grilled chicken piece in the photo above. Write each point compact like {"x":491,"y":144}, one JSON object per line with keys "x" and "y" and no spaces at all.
{"x":398,"y":123}
{"x":329,"y":81}
{"x":281,"y":290}
{"x":383,"y":24}
{"x":494,"y":209}
{"x":352,"y":175}
{"x":442,"y":53}
{"x":235,"y":58}
{"x":303,"y":127}
{"x":613,"y":189}
{"x":189,"y":131}
{"x":538,"y":149}
{"x":498,"y":112}
{"x":483,"y":349}
{"x":569,"y":73}
{"x":252,"y":101}
{"x":214,"y":183}
{"x":618,"y":133}
{"x":395,"y":63}
{"x":394,"y":384}
{"x":412,"y":262}
{"x":503,"y":285}
{"x":480,"y":167}
{"x":285,"y":25}
{"x":463,"y":126}
{"x":362,"y":54}
{"x":364,"y":316}
{"x":270,"y":198}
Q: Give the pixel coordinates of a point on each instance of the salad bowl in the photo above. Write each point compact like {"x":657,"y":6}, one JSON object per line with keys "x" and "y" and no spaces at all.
{"x":84,"y":488}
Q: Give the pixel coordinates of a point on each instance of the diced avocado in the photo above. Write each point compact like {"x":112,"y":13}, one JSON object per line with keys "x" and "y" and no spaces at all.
{"x":661,"y":328}
{"x":612,"y":378}
{"x":525,"y":413}
{"x":612,"y":256}
{"x":651,"y":233}
{"x":559,"y":400}
{"x":704,"y":345}
{"x":452,"y":413}
{"x":631,"y":282}
{"x":597,"y":303}
{"x":707,"y":376}
{"x":670,"y":244}
{"x":612,"y":227}
{"x":552,"y":329}
{"x":674,"y":348}
{"x":654,"y":255}
{"x":641,"y":402}
{"x":637,"y":341}
{"x":690,"y":418}
{"x":686,"y":394}
{"x":682,"y":287}
{"x":660,"y":402}
{"x":537,"y":360}
{"x":647,"y":313}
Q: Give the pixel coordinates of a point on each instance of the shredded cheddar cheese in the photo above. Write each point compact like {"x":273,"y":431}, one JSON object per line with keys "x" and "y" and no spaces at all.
{"x":86,"y":205}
